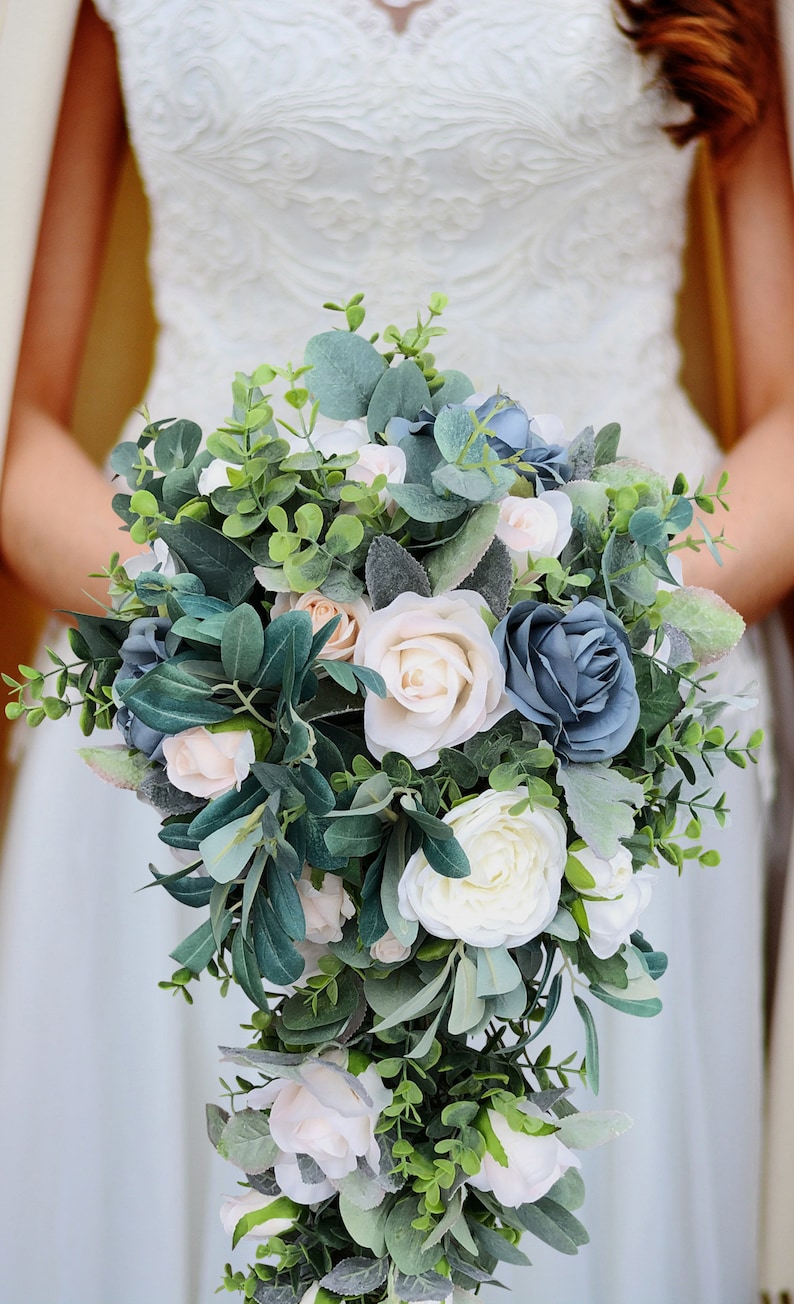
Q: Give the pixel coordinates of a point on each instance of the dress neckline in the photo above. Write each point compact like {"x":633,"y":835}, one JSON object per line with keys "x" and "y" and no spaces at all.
{"x":399,"y":12}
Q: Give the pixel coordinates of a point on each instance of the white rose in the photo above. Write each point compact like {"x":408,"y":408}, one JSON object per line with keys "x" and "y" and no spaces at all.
{"x":335,"y":439}
{"x":214,"y":476}
{"x":353,"y":616}
{"x":535,"y":527}
{"x":613,"y":920}
{"x":236,"y":1207}
{"x":549,"y":427}
{"x":158,"y":556}
{"x":444,"y":679}
{"x":375,"y":460}
{"x":287,"y":1173}
{"x":325,"y":908}
{"x":207,"y":764}
{"x":329,"y":1115}
{"x":534,"y":1163}
{"x":388,"y":949}
{"x":517,"y":864}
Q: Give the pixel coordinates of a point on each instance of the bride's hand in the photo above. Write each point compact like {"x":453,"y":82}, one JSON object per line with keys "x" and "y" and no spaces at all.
{"x":56,"y":520}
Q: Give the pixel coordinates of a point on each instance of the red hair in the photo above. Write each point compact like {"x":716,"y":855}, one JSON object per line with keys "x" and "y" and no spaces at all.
{"x":717,"y":56}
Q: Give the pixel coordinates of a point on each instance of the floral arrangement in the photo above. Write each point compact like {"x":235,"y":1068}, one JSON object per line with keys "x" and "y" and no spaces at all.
{"x":422,"y":705}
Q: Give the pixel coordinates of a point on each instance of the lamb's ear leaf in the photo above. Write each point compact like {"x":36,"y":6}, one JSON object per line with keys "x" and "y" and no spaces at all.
{"x":391,"y":570}
{"x":492,"y":578}
{"x":449,"y":565}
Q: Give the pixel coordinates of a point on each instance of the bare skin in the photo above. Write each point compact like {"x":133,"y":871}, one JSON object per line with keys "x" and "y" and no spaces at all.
{"x":74,"y":531}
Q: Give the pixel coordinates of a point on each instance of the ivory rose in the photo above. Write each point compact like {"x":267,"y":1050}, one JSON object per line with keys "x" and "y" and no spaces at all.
{"x":512,"y":892}
{"x":214,"y":476}
{"x":207,"y":764}
{"x":375,"y":460}
{"x":353,"y":616}
{"x":236,"y":1207}
{"x":329,"y":1115}
{"x":443,"y":676}
{"x":534,"y":1163}
{"x":625,"y":895}
{"x":535,"y":527}
{"x":388,"y":949}
{"x":336,"y":439}
{"x":325,"y":908}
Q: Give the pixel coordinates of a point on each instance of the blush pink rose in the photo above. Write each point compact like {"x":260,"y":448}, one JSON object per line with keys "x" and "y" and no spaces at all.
{"x":206,"y":764}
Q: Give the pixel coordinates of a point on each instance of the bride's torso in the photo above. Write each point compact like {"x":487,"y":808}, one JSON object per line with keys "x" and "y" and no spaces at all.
{"x":512,"y":156}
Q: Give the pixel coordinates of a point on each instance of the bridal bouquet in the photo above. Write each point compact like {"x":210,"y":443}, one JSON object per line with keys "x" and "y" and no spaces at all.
{"x":420,"y":700}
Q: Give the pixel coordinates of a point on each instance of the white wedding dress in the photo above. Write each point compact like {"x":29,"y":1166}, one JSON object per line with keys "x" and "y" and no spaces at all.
{"x":513,"y":156}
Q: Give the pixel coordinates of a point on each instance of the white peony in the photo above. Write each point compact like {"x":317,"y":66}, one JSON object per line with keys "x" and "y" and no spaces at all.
{"x":443,"y":676}
{"x":535,"y":527}
{"x":353,"y":616}
{"x":325,"y":908}
{"x":207,"y":764}
{"x":614,"y":919}
{"x":236,"y":1207}
{"x":335,"y":439}
{"x":517,"y":864}
{"x":534,"y":1163}
{"x":375,"y":460}
{"x":329,"y":1115}
{"x":388,"y":949}
{"x":214,"y":476}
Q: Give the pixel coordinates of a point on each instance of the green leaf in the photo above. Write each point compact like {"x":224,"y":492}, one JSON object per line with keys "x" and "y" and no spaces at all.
{"x":467,"y":1007}
{"x":449,"y":565}
{"x":276,"y":958}
{"x":354,"y":835}
{"x":242,"y":644}
{"x":606,"y":444}
{"x":401,"y":392}
{"x":591,"y":1044}
{"x":345,"y":371}
{"x":354,"y":1277}
{"x":420,"y":1003}
{"x":498,"y":1247}
{"x":447,"y":857}
{"x":391,"y":570}
{"x":196,"y":951}
{"x":286,"y":903}
{"x":405,"y":930}
{"x":176,"y":445}
{"x":601,"y":805}
{"x":456,"y":389}
{"x":711,"y":626}
{"x":593,"y":1128}
{"x":453,"y":431}
{"x":422,"y":504}
{"x":288,"y":636}
{"x":568,"y":1190}
{"x":227,"y":851}
{"x":659,"y":694}
{"x":246,"y":971}
{"x":345,"y":533}
{"x":282,"y":1207}
{"x":225,"y":569}
{"x":366,"y":1227}
{"x":217,"y":1119}
{"x":117,"y":765}
{"x":247,"y":1143}
{"x":497,"y":972}
{"x":404,"y":1243}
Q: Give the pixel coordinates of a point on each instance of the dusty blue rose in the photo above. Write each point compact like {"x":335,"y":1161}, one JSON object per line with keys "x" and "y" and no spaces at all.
{"x":142,"y":650}
{"x":511,"y":432}
{"x":571,"y":673}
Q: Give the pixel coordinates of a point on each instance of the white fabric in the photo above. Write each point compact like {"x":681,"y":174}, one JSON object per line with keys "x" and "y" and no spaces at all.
{"x":35,"y":36}
{"x":292,"y":151}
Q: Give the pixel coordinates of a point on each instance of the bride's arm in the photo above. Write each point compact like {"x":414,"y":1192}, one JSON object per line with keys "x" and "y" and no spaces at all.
{"x":758,"y":218}
{"x":56,"y":521}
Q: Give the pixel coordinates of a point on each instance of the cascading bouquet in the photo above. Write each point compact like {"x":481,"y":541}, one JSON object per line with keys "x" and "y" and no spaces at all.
{"x":420,"y":702}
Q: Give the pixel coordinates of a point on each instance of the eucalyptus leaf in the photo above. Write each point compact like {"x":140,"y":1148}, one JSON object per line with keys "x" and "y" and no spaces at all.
{"x":497,"y":972}
{"x":345,"y":369}
{"x":583,"y":1131}
{"x":422,"y":504}
{"x":401,"y":391}
{"x":246,"y":1142}
{"x":467,"y":1007}
{"x":449,"y":565}
{"x":225,"y":569}
{"x":242,"y":644}
{"x":404,"y":1243}
{"x":353,"y":1277}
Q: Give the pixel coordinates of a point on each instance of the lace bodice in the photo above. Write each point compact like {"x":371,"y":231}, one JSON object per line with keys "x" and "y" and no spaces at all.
{"x":511,"y":155}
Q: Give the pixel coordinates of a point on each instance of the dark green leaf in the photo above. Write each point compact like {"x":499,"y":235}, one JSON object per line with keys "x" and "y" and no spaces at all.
{"x":242,"y":644}
{"x":226,"y":570}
